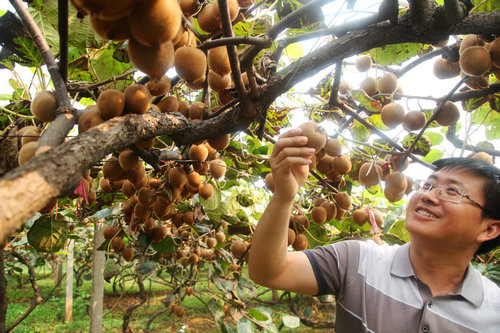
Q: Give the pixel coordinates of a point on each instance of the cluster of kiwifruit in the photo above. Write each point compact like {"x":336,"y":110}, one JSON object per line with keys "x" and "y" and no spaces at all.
{"x":386,"y":84}
{"x":478,"y":57}
{"x":362,"y":215}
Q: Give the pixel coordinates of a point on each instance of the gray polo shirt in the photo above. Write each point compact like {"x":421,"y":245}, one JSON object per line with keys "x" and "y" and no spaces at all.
{"x":377,"y":291}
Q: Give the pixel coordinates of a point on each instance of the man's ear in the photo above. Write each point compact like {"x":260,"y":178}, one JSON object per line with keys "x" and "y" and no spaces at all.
{"x":491,"y":231}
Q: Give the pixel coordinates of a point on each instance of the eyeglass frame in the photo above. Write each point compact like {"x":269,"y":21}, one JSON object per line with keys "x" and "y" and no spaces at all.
{"x":417,"y":187}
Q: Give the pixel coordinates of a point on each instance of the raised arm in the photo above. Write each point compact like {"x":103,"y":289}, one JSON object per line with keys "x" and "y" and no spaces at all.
{"x":270,"y":264}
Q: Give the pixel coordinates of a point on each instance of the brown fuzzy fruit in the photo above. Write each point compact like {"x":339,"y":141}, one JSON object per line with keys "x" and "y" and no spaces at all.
{"x":145,"y":196}
{"x":218,"y":60}
{"x":137,"y":98}
{"x":117,"y":244}
{"x":105,"y":186}
{"x":217,"y":168}
{"x":238,"y":248}
{"x":331,"y":210}
{"x":316,"y":135}
{"x":445,"y":69}
{"x":363,"y":63}
{"x":468,"y":41}
{"x":269,"y":182}
{"x":159,"y":87}
{"x":88,"y":120}
{"x":110,"y":232}
{"x":27,"y":152}
{"x":495,"y":52}
{"x":291,"y":236}
{"x":128,"y":253}
{"x":190,"y":63}
{"x":128,"y":188}
{"x":392,"y":114}
{"x":360,"y":216}
{"x":108,"y":10}
{"x":342,"y":164}
{"x":196,"y":110}
{"x":206,"y":19}
{"x":177,"y":177}
{"x":110,"y":103}
{"x":205,"y":191}
{"x":387,"y":83}
{"x":31,"y":134}
{"x":369,"y":86}
{"x":154,"y":61}
{"x":220,"y":236}
{"x":198,"y":152}
{"x":343,"y":200}
{"x":159,"y":233}
{"x":379,"y":218}
{"x":333,"y":147}
{"x":414,"y":120}
{"x":233,"y":10}
{"x":211,"y":242}
{"x":218,"y":82}
{"x":179,"y":311}
{"x":449,"y":115}
{"x":395,"y":182}
{"x":393,"y":196}
{"x":169,"y":104}
{"x":475,"y":61}
{"x":145,"y":144}
{"x":188,"y":7}
{"x":44,"y":106}
{"x":300,"y":242}
{"x":141,"y":212}
{"x":483,"y":157}
{"x":115,"y":30}
{"x":194,"y":179}
{"x":344,"y":86}
{"x":128,"y":159}
{"x":318,"y":215}
{"x":112,"y":170}
{"x":155,"y":21}
{"x":370,"y":174}
{"x":220,"y":142}
{"x":301,"y":222}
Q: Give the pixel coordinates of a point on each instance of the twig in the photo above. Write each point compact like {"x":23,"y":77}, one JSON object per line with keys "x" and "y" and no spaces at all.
{"x":16,"y":114}
{"x":83,"y":86}
{"x":131,"y":308}
{"x":62,"y":10}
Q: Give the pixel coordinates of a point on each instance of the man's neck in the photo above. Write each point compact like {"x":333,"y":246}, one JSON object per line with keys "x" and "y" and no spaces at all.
{"x":443,"y":271}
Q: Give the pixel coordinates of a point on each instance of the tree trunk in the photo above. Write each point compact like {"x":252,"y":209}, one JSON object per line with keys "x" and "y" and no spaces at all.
{"x":69,"y":282}
{"x":3,"y":294}
{"x":57,"y":270}
{"x":96,"y":299}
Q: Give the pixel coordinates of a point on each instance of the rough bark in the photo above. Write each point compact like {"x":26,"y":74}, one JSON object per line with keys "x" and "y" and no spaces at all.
{"x":97,"y":297}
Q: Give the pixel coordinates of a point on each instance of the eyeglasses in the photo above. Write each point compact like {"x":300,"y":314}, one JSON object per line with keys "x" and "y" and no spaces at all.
{"x":450,"y":193}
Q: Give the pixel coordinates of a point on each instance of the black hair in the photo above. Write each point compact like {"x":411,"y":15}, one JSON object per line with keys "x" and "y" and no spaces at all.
{"x":491,"y":189}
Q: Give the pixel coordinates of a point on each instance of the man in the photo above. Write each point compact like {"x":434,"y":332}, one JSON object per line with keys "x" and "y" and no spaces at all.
{"x":427,"y":285}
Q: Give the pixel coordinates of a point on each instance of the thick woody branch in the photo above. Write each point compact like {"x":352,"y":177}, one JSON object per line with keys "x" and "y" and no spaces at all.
{"x":454,"y":11}
{"x":262,"y":42}
{"x":451,"y":135}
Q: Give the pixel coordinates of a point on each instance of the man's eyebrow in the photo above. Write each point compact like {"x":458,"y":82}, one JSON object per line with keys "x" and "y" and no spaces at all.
{"x":452,"y":181}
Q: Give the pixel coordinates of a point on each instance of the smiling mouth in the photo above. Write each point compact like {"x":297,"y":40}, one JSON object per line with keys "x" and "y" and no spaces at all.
{"x":426,"y":213}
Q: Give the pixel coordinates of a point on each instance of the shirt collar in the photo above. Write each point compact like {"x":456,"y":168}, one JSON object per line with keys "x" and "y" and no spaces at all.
{"x":471,"y":288}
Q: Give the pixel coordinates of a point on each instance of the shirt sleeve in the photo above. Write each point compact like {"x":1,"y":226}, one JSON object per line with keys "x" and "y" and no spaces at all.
{"x":331,"y":265}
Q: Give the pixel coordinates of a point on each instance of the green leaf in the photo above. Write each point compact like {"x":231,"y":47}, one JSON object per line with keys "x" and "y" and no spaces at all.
{"x":376,"y":120}
{"x":473,"y":103}
{"x":244,"y":326}
{"x":294,"y":51}
{"x":290,"y":321}
{"x":48,"y":235}
{"x":435,"y":138}
{"x":360,"y":132}
{"x":111,"y":268}
{"x":147,"y":267}
{"x":433,"y":155}
{"x":396,"y":54}
{"x":492,"y":271}
{"x":492,"y":130}
{"x":369,"y":103}
{"x":167,"y":245}
{"x":46,"y":19}
{"x":104,"y":66}
{"x":262,"y":150}
{"x":422,"y":147}
{"x":29,"y":50}
{"x":103,"y":213}
{"x":399,"y":229}
{"x":258,"y":315}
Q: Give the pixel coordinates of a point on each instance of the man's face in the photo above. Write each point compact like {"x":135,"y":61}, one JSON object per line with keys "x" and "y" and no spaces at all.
{"x":453,"y":224}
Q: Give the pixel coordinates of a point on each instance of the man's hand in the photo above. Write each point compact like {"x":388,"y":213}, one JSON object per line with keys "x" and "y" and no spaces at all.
{"x":290,"y":164}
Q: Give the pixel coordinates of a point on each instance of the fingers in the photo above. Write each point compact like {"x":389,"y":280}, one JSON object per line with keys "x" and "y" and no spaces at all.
{"x":292,"y":138}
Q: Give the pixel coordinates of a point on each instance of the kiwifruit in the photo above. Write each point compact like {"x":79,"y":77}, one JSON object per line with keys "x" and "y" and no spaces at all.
{"x":291,"y":236}
{"x":27,"y":152}
{"x":129,"y":205}
{"x":112,"y":170}
{"x":211,"y":242}
{"x":44,"y":106}
{"x":220,"y":236}
{"x":109,"y":10}
{"x":393,"y":196}
{"x":218,"y":82}
{"x":117,"y":244}
{"x":145,"y":196}
{"x":449,"y":114}
{"x":31,"y":134}
{"x":233,"y":10}
{"x":269,"y":182}
{"x":478,"y":82}
{"x":137,"y":176}
{"x":343,"y":200}
{"x":333,"y":147}
{"x":218,"y":60}
{"x":177,"y":219}
{"x":379,"y":217}
{"x":128,"y":253}
{"x":188,"y":7}
{"x":115,"y":30}
{"x":110,"y":103}
{"x":179,"y":311}
{"x":160,"y":209}
{"x":128,"y":159}
{"x":369,"y":86}
{"x":245,"y":3}
{"x":177,"y":177}
{"x":414,"y":120}
{"x":198,"y":83}
{"x":392,"y":114}
{"x":217,"y":168}
{"x":475,"y":61}
{"x":105,"y":186}
{"x":387,"y":83}
{"x":360,"y":216}
{"x":183,"y":108}
{"x":220,"y":142}
{"x":137,"y":98}
{"x":141,"y":212}
{"x":190,"y":63}
{"x":194,"y":179}
{"x":159,"y":87}
{"x":344,"y":86}
{"x":196,"y":110}
{"x":145,"y":144}
{"x":128,"y":188}
{"x":363,"y":63}
{"x":238,"y":248}
{"x":186,"y":38}
{"x":483,"y":157}
{"x":342,"y":164}
{"x":468,"y":41}
{"x":201,"y":168}
{"x":324,"y":165}
{"x":169,"y":104}
{"x":116,"y":185}
{"x":318,"y":214}
{"x":370,"y":174}
{"x":396,"y":182}
{"x":155,"y":21}
{"x":397,"y":162}
{"x":206,"y":19}
{"x":340,"y":213}
{"x":445,"y":69}
{"x":188,"y":218}
{"x":88,"y":120}
{"x":226,"y":95}
{"x":110,"y":231}
{"x":316,"y":135}
{"x":154,"y":61}
{"x":205,"y":191}
{"x":193,"y":259}
{"x":495,"y":52}
{"x":198,"y":152}
{"x":331,"y":210}
{"x":302,"y":222}
{"x":159,"y":233}
{"x":300,"y":242}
